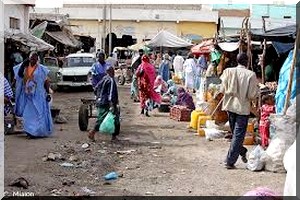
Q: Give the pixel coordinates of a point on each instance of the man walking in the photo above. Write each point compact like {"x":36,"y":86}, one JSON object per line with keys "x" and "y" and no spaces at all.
{"x":178,"y":65}
{"x":239,"y":86}
{"x":107,"y":101}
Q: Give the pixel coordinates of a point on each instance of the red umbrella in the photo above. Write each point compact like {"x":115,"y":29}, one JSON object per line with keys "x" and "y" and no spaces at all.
{"x":203,"y":48}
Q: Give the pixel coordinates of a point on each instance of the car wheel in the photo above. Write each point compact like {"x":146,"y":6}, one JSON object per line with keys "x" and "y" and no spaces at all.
{"x":83,"y":117}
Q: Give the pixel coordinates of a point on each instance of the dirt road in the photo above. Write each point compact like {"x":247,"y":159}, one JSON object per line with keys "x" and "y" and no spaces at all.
{"x":157,"y":156}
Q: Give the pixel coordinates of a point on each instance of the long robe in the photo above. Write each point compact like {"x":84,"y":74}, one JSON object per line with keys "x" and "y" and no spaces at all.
{"x":31,"y":104}
{"x":164,"y":70}
{"x":190,"y":73}
{"x":146,"y":78}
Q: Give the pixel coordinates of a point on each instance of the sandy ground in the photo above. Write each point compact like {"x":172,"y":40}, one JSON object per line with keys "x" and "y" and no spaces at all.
{"x":166,"y":158}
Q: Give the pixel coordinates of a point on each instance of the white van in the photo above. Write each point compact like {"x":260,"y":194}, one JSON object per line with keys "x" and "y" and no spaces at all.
{"x":75,"y":70}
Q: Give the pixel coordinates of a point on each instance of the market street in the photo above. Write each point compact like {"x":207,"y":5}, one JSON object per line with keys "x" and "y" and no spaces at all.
{"x":155,"y":156}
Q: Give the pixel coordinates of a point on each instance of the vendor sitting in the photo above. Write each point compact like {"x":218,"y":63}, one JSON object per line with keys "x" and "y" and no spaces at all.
{"x":171,"y":94}
{"x":160,"y":86}
{"x":185,"y":99}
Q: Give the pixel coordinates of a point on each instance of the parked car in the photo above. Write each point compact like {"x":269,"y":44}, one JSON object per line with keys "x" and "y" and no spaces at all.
{"x":75,"y":70}
{"x":53,"y":66}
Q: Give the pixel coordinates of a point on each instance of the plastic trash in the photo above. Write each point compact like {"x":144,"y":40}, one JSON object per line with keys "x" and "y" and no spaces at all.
{"x":108,"y":124}
{"x":67,"y":165}
{"x":213,"y":133}
{"x":111,"y":176}
{"x":255,"y":162}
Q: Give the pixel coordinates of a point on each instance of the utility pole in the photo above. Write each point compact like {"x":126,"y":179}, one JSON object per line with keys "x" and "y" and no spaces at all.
{"x":110,"y":28}
{"x":104,"y":26}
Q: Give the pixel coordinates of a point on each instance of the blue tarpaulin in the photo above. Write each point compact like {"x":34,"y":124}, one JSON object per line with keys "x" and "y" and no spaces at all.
{"x":282,"y":47}
{"x":284,"y":76}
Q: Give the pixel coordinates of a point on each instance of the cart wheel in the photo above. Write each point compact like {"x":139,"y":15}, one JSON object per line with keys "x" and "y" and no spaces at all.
{"x":121,"y":80}
{"x":83,"y":117}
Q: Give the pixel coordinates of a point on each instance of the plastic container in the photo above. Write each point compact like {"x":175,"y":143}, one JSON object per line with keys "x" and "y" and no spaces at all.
{"x":202,"y":121}
{"x":250,"y":127}
{"x":194,"y":118}
{"x":201,"y":132}
{"x":249,"y":140}
{"x":111,"y":176}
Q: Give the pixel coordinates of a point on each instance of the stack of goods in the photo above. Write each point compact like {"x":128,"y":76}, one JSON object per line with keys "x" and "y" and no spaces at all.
{"x":268,"y":88}
{"x":250,"y":136}
{"x":180,"y":113}
{"x":177,"y":79}
{"x":272,"y":86}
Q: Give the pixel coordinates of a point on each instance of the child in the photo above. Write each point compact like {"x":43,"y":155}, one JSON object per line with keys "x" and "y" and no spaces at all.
{"x":267,"y":108}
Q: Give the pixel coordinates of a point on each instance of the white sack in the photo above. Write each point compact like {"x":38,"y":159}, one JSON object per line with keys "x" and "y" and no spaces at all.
{"x":255,"y":163}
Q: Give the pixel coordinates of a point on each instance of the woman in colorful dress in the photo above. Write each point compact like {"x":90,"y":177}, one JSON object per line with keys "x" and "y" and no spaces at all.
{"x":146,"y":78}
{"x":160,"y":86}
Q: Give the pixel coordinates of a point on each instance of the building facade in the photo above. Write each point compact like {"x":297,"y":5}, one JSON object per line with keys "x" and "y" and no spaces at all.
{"x":142,"y":22}
{"x":276,"y":15}
{"x":16,"y":18}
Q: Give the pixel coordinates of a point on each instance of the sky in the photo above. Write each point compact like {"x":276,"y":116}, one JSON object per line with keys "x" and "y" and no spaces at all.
{"x":59,"y":3}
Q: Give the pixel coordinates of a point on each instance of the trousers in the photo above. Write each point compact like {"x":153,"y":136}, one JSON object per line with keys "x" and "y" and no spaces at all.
{"x":238,"y":126}
{"x":102,"y":112}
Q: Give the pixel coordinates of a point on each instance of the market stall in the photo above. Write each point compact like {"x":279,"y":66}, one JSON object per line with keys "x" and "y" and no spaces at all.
{"x":167,"y":40}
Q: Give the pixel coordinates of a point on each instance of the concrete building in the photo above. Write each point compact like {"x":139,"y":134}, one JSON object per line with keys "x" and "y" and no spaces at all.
{"x":16,"y":18}
{"x":142,"y":22}
{"x":277,"y":15}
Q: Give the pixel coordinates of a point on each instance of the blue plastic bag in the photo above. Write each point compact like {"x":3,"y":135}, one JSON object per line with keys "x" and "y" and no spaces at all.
{"x":111,"y":176}
{"x":108,"y":124}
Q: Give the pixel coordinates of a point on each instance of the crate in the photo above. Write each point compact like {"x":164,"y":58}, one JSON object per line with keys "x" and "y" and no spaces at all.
{"x":164,"y":108}
{"x":180,"y":113}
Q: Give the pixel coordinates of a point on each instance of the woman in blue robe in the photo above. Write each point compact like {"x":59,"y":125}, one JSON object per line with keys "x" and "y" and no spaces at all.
{"x":32,"y":97}
{"x":165,"y":67}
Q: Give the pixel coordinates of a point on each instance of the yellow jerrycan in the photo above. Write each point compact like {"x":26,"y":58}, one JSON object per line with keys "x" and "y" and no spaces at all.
{"x":194,"y":118}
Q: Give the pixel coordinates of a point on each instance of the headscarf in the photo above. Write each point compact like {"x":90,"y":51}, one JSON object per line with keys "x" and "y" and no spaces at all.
{"x":145,"y":58}
{"x":160,"y":82}
{"x":172,"y":88}
{"x":185,"y":99}
{"x":150,"y":75}
{"x":147,"y":68}
{"x":170,"y":83}
{"x":166,"y":57}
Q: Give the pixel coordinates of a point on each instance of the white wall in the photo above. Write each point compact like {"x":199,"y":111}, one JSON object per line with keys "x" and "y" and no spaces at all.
{"x":95,"y":13}
{"x":232,"y":24}
{"x":20,"y":12}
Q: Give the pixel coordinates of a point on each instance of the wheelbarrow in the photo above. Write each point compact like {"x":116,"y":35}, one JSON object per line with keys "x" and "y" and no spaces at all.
{"x":86,"y":112}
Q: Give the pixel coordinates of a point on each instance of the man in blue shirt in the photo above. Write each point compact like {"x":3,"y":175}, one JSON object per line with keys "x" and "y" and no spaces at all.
{"x":107,"y":101}
{"x":98,"y":70}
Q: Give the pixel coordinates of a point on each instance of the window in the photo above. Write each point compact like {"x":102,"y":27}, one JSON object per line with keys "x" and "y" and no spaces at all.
{"x":14,"y":23}
{"x":80,"y":61}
